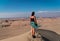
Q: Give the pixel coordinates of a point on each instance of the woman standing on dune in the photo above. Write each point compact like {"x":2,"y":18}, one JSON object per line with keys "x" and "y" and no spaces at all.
{"x":33,"y":23}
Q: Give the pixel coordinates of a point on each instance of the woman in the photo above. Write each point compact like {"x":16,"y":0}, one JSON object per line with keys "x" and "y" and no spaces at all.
{"x":33,"y":23}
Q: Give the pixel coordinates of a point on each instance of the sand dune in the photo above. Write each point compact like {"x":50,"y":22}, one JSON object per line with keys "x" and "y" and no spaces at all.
{"x":45,"y":35}
{"x":19,"y":30}
{"x":22,"y":37}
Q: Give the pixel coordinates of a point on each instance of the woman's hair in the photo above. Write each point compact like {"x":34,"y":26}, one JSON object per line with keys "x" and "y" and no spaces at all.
{"x":33,"y":13}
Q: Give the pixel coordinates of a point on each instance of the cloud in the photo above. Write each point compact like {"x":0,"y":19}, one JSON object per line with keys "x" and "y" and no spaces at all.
{"x":47,"y":11}
{"x":42,"y":11}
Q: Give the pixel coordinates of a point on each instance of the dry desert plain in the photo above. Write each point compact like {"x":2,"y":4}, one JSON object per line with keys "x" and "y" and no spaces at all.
{"x":18,"y":30}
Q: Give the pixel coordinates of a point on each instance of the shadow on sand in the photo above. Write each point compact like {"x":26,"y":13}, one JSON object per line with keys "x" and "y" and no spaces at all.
{"x":48,"y":35}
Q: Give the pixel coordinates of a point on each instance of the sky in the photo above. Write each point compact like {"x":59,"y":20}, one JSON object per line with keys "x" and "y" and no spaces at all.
{"x":23,"y":8}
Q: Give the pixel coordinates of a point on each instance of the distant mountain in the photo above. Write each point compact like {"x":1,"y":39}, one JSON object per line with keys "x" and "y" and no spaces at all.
{"x":48,"y":14}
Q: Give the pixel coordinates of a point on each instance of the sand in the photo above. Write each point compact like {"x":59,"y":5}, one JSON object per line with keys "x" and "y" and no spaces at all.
{"x":19,"y":30}
{"x":22,"y":37}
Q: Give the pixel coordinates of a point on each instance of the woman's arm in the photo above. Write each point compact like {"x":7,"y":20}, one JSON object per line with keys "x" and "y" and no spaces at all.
{"x":35,"y":20}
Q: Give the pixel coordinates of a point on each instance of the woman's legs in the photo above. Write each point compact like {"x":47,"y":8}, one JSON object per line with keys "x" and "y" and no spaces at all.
{"x":33,"y":31}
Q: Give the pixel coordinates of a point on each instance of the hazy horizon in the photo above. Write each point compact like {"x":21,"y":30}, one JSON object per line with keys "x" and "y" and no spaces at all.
{"x":37,"y":14}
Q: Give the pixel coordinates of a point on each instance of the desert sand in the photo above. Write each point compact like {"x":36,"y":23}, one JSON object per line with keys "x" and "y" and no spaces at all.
{"x":19,"y":30}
